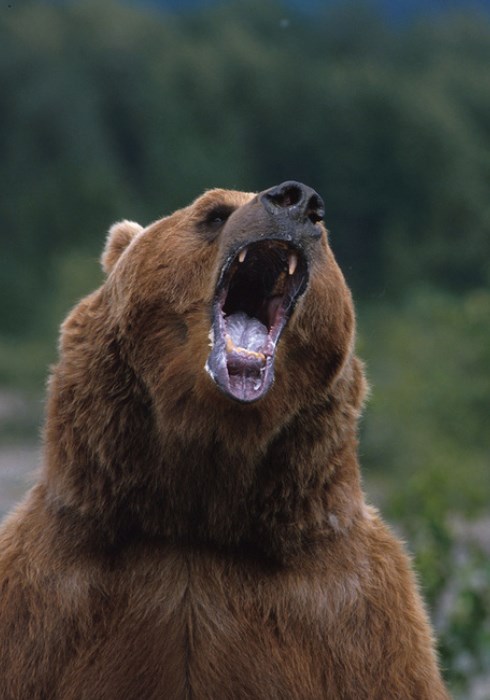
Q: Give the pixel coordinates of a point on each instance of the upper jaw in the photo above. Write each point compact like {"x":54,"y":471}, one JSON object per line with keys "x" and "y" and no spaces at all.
{"x":258,"y":287}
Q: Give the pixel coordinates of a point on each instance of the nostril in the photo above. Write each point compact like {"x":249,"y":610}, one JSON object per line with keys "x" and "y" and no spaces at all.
{"x":315,"y":209}
{"x":285,"y":197}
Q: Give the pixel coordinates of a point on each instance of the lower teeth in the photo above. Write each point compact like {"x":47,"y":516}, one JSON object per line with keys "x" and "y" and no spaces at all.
{"x":231,"y":347}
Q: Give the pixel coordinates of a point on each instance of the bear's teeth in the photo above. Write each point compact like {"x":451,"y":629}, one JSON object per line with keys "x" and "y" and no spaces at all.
{"x":293,"y":261}
{"x":230,"y":347}
{"x":242,"y":255}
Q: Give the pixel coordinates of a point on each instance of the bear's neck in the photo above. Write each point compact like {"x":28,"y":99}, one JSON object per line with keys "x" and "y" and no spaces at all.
{"x":108,"y":465}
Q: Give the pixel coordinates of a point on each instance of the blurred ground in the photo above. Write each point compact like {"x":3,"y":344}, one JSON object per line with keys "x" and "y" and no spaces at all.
{"x":17,"y":472}
{"x":19,"y":448}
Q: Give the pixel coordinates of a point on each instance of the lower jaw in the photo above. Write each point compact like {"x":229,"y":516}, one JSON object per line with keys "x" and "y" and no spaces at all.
{"x":243,"y":384}
{"x":247,"y":388}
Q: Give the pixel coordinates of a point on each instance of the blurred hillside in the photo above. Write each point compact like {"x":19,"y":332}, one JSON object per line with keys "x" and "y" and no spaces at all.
{"x":110,"y":110}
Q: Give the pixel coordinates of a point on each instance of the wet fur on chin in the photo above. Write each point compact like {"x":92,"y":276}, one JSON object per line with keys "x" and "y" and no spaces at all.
{"x":182,"y":545}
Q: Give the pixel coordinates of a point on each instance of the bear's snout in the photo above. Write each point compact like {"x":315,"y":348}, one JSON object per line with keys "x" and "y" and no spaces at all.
{"x":294,"y":200}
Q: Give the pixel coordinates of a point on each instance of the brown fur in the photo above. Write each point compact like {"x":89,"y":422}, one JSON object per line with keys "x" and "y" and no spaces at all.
{"x":183,"y":545}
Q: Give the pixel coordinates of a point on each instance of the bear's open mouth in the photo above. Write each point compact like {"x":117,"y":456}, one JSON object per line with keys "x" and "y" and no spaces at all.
{"x":255,"y":296}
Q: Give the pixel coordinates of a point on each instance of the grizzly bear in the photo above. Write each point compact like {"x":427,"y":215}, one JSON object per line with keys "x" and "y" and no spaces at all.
{"x":198,"y":529}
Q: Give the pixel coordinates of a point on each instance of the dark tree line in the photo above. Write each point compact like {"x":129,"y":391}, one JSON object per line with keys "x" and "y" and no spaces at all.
{"x":107,"y":112}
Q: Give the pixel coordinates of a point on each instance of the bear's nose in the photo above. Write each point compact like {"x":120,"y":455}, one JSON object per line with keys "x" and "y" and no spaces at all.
{"x":295,"y":200}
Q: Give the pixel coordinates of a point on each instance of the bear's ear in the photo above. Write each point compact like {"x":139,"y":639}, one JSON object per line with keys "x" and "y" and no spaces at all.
{"x":120,"y":236}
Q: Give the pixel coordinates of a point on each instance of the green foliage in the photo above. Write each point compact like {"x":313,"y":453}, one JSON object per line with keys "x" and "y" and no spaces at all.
{"x":428,"y":362}
{"x":425,"y":439}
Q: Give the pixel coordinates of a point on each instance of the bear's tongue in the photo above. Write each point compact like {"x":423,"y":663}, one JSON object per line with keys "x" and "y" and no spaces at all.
{"x":248,"y":335}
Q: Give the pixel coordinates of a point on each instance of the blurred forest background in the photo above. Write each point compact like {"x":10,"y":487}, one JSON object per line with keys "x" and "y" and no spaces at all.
{"x":124,"y":110}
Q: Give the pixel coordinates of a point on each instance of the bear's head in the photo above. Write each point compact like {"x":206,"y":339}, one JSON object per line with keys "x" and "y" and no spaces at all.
{"x":212,"y":369}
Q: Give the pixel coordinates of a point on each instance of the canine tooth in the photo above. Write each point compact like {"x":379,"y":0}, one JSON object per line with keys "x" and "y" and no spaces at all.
{"x":242,"y":255}
{"x":293,"y":261}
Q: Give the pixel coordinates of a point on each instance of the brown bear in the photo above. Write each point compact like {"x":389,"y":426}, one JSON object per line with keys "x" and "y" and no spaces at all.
{"x":199,"y":530}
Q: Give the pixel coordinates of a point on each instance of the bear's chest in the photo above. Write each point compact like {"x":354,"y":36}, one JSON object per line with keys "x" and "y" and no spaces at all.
{"x":196,"y":628}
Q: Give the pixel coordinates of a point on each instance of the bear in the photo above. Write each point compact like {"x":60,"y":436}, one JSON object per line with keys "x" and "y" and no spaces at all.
{"x":198,"y":529}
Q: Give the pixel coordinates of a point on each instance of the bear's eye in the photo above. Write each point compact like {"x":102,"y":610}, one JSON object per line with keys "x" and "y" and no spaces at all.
{"x":217,"y":216}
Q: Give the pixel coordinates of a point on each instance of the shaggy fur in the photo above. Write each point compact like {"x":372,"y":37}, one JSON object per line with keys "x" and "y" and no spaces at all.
{"x":183,"y":545}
